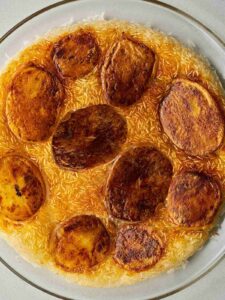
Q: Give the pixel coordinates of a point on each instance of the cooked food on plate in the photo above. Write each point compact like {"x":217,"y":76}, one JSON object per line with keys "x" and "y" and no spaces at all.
{"x":193,"y":199}
{"x":191,"y":118}
{"x":139,"y":181}
{"x":80,"y":243}
{"x":88,"y":137}
{"x":22,"y":189}
{"x":127,"y":68}
{"x":35,"y":99}
{"x":75,"y":55}
{"x":138,"y":247}
{"x":111,"y":152}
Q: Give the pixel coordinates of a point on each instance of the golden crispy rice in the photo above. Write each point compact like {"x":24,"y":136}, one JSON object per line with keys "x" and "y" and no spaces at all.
{"x":114,"y":82}
{"x":191,"y":118}
{"x":80,"y":243}
{"x":127,"y":68}
{"x":34,"y":103}
{"x":139,"y":181}
{"x":22,"y":190}
{"x":75,"y":55}
{"x":138,"y":247}
{"x":193,"y":199}
{"x":88,"y":137}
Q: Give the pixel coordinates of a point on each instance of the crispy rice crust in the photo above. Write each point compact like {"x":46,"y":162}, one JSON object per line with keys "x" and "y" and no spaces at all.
{"x":72,"y":193}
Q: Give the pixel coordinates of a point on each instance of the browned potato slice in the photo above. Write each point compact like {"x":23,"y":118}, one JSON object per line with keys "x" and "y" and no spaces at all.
{"x":138,"y":247}
{"x":75,"y":55}
{"x":80,"y":243}
{"x":139,"y":181}
{"x":193,"y":199}
{"x":191,"y":118}
{"x":34,"y":102}
{"x":126,"y":70}
{"x":22,"y":190}
{"x":89,"y":137}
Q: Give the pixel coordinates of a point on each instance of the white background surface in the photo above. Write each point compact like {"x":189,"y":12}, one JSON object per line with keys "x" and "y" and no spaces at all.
{"x":212,"y":14}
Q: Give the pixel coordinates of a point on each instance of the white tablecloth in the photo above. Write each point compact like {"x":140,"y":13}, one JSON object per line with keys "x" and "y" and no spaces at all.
{"x":212,"y":14}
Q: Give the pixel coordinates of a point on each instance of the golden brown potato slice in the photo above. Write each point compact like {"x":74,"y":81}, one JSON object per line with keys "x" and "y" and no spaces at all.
{"x":88,"y":137}
{"x":22,"y":190}
{"x":193,"y":199}
{"x":138,"y":247}
{"x":34,"y":103}
{"x":191,"y":118}
{"x":75,"y":55}
{"x":139,"y":181}
{"x":127,"y":67}
{"x":80,"y":243}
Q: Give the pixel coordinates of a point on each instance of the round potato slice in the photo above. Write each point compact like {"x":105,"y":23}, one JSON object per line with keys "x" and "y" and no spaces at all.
{"x":80,"y":243}
{"x":34,"y":103}
{"x":22,"y":189}
{"x":193,"y":199}
{"x":75,"y":55}
{"x":191,"y":118}
{"x":138,"y":247}
{"x":139,"y":181}
{"x":127,"y":67}
{"x":88,"y":137}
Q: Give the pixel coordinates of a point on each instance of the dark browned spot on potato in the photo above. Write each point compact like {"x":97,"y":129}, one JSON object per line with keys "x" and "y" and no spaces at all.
{"x":138,"y":247}
{"x":89,"y":137}
{"x":35,"y":99}
{"x":80,"y":243}
{"x":127,"y":68}
{"x":75,"y":55}
{"x":193,"y":199}
{"x":191,"y":118}
{"x":17,"y":189}
{"x":139,"y":181}
{"x":22,"y":188}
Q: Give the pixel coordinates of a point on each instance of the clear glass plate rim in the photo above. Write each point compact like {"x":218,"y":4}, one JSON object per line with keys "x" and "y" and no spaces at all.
{"x":190,"y":18}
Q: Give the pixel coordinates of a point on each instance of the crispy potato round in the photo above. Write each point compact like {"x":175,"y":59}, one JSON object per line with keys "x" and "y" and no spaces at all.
{"x":22,"y":189}
{"x":75,"y":55}
{"x":139,"y":181}
{"x":191,"y":118}
{"x":127,"y":67}
{"x":80,"y":243}
{"x":193,"y":199}
{"x":88,"y":137}
{"x":34,"y":103}
{"x":138,"y":247}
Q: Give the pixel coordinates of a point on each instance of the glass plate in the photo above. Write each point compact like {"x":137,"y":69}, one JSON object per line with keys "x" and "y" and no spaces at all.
{"x":187,"y":30}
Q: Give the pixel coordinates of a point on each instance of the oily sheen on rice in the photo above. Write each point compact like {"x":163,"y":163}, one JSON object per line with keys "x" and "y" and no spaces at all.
{"x":76,"y":193}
